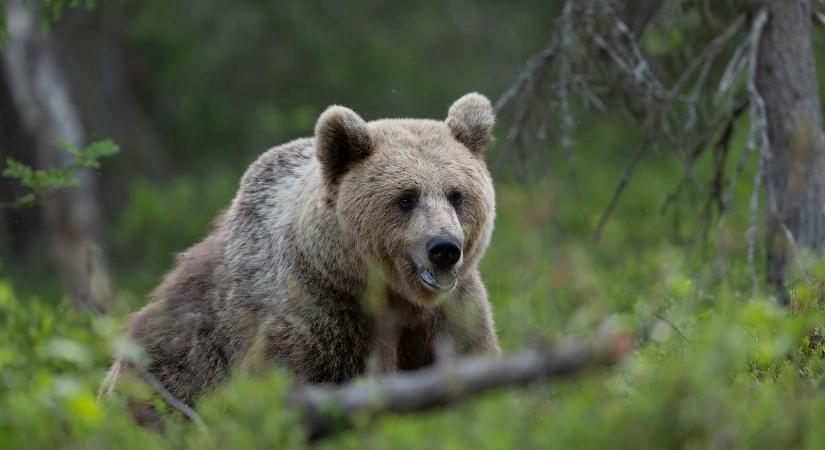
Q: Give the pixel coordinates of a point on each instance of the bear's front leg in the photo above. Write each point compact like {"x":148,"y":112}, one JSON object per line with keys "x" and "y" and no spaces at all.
{"x":384,"y":355}
{"x":468,"y":319}
{"x":464,"y":320}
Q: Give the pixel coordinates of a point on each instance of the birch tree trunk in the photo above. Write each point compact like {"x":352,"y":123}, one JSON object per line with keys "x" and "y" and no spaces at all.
{"x":41,"y":94}
{"x":795,"y":167}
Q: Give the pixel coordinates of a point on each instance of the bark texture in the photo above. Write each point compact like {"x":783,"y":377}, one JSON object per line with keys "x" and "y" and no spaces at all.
{"x":41,"y":95}
{"x":795,"y":165}
{"x":19,"y":227}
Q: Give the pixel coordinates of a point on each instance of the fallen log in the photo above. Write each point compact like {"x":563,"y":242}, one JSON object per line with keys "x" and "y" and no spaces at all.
{"x":329,"y":409}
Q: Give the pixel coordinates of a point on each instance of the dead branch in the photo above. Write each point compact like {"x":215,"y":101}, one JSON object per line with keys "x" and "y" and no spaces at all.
{"x":728,"y":120}
{"x":817,"y":16}
{"x":757,"y":139}
{"x":329,"y":409}
{"x":525,"y":78}
{"x":617,"y":193}
{"x":661,"y":316}
{"x":709,"y":53}
{"x":594,"y":53}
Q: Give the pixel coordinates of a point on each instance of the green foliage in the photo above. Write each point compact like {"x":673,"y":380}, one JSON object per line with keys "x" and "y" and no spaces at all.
{"x":714,"y":366}
{"x":45,"y":181}
{"x":369,"y":55}
{"x":149,"y":230}
{"x":52,"y":383}
{"x":48,"y":394}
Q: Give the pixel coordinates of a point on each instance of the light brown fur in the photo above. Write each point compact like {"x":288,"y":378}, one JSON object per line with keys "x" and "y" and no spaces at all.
{"x":318,"y":226}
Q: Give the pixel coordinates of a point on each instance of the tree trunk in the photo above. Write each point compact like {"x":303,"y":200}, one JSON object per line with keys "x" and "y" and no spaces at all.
{"x":795,"y":166}
{"x":41,"y":94}
{"x":19,"y":228}
{"x":100,"y":72}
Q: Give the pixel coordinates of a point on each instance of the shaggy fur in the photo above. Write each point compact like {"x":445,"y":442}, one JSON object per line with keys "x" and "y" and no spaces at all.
{"x":314,"y":228}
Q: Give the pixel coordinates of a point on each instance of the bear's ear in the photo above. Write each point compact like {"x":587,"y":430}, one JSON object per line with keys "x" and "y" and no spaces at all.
{"x":341,"y":139}
{"x":471,"y":121}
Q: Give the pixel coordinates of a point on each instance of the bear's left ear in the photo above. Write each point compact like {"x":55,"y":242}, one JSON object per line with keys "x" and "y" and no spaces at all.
{"x":341,"y":140}
{"x":471,"y":121}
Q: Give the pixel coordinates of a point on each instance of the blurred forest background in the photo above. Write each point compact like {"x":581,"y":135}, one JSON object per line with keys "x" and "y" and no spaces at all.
{"x":607,"y":220}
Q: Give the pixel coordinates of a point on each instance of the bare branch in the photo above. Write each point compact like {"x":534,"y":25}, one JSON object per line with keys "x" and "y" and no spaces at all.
{"x":728,"y":120}
{"x":709,"y":53}
{"x":750,"y":233}
{"x":661,"y":316}
{"x":817,"y":16}
{"x":732,"y":70}
{"x":525,"y":78}
{"x":330,"y":409}
{"x":796,"y":251}
{"x":759,"y":130}
{"x":564,"y":85}
{"x":617,"y":193}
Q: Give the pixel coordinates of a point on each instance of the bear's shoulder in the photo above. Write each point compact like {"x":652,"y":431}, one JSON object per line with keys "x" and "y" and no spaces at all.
{"x":279,"y":163}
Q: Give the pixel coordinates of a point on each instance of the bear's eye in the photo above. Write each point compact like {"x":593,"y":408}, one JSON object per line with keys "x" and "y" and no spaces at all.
{"x":455,"y":198}
{"x":406,"y":201}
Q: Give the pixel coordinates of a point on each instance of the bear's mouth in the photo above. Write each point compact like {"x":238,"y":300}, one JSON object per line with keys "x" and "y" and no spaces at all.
{"x":436,"y":282}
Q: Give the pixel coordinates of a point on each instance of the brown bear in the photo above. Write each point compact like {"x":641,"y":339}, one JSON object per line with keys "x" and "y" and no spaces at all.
{"x":399,"y":209}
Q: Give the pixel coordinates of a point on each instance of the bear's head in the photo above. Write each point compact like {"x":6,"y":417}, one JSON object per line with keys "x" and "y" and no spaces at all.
{"x":411,"y":196}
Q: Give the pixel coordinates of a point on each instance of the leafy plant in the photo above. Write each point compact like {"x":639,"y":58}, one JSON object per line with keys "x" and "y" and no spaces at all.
{"x":43,"y":182}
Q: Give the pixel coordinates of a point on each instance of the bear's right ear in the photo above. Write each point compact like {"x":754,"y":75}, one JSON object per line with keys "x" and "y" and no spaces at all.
{"x":341,"y":139}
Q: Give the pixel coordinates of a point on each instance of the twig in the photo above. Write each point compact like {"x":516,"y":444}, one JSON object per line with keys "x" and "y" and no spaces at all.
{"x":169,"y":398}
{"x":723,"y":143}
{"x":732,"y":69}
{"x":661,"y":316}
{"x":588,"y":94}
{"x":709,"y":53}
{"x":817,"y":15}
{"x":730,"y":116}
{"x":759,"y":122}
{"x":564,"y":85}
{"x":330,"y":409}
{"x":750,"y":233}
{"x":525,"y":78}
{"x":796,"y":250}
{"x":732,"y":180}
{"x":620,"y":186}
{"x":721,"y":148}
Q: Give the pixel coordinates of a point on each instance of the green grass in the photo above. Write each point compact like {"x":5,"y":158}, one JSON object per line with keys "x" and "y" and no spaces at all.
{"x":713,"y":365}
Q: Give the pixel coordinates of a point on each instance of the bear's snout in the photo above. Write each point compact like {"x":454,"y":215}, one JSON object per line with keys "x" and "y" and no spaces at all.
{"x":444,"y":252}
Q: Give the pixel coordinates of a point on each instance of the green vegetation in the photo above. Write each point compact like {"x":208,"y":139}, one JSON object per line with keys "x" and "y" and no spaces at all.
{"x":716,"y":364}
{"x":713,"y":364}
{"x":45,"y":181}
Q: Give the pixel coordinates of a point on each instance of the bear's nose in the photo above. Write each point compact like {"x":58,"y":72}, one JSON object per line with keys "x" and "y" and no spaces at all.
{"x":443,"y":252}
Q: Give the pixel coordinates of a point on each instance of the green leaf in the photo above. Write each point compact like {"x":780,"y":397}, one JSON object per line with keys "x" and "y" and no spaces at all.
{"x":44,"y":181}
{"x":27,"y":200}
{"x":67,"y":146}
